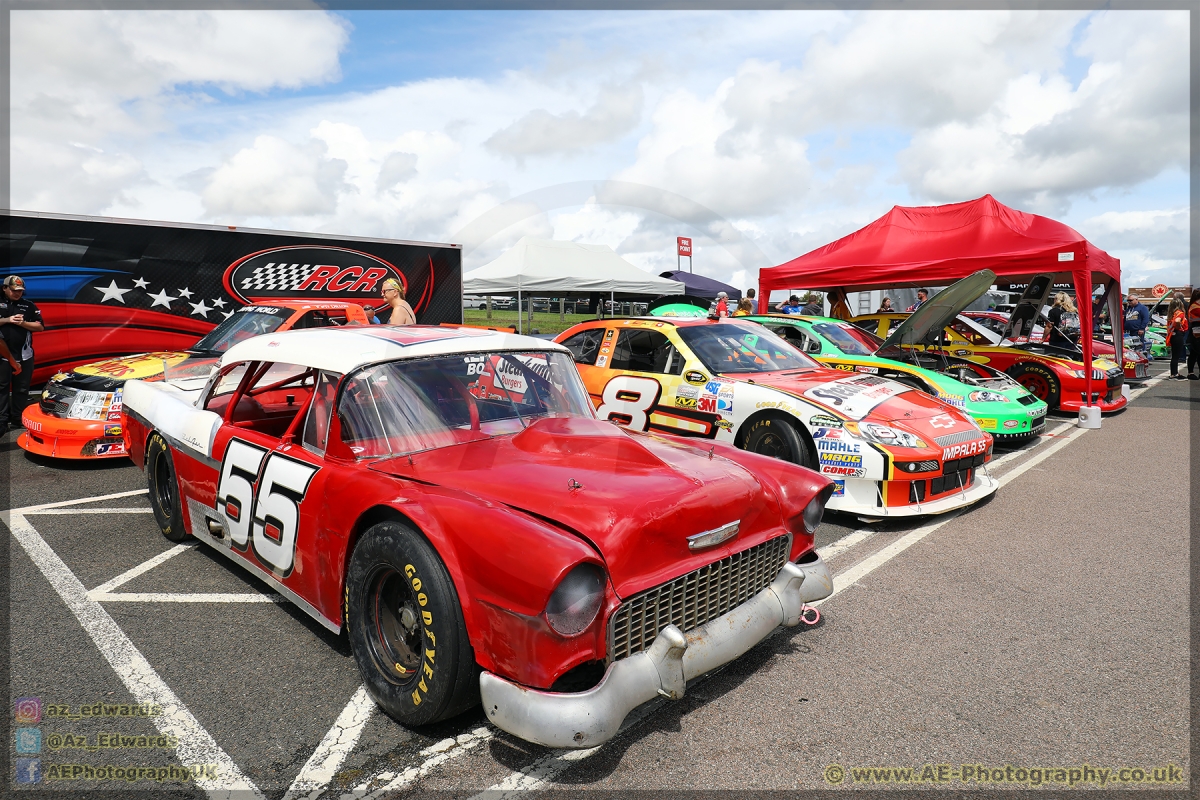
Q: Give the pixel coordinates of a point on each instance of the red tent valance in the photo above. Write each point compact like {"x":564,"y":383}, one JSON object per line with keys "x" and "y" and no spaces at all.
{"x":937,"y":245}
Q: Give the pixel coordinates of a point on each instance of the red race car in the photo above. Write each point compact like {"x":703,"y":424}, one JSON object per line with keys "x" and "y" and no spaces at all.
{"x":1136,"y":366}
{"x":79,"y":414}
{"x":448,"y":497}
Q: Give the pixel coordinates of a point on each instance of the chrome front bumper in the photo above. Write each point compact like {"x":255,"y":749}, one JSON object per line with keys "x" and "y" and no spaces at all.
{"x":590,"y":718}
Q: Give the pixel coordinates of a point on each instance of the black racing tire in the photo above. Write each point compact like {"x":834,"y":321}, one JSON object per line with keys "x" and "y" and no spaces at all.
{"x":164,"y":489}
{"x":406,"y":628}
{"x":1038,"y":380}
{"x":778,"y":437}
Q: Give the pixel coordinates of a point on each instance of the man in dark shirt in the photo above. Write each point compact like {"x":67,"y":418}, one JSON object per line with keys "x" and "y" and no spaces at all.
{"x":1137,"y":319}
{"x":19,"y":320}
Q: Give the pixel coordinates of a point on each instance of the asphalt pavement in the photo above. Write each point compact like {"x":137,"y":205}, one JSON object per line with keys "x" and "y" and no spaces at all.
{"x":1044,"y":630}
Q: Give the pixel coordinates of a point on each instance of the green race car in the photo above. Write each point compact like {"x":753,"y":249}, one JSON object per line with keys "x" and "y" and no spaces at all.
{"x":999,"y":404}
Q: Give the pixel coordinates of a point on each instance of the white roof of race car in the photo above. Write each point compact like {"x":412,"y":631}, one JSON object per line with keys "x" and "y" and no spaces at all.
{"x":345,"y":349}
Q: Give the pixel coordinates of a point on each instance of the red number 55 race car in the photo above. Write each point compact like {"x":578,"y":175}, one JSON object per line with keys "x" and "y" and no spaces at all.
{"x":450,"y":499}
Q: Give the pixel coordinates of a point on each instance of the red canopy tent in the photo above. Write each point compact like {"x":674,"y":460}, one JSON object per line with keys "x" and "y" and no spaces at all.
{"x":937,"y":245}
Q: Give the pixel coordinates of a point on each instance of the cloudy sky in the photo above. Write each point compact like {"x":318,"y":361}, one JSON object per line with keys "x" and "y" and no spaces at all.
{"x":762,"y":135}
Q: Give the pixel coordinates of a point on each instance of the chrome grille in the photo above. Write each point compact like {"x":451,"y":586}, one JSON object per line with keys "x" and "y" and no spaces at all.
{"x":693,"y":599}
{"x":956,"y":438}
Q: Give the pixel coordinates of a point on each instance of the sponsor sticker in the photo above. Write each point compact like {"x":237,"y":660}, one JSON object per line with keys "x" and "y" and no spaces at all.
{"x":1037,"y":412}
{"x":602,"y":361}
{"x":112,"y":430}
{"x":965,"y":449}
{"x":837,"y":446}
{"x":1011,"y":423}
{"x":685,"y":402}
{"x":687,"y":391}
{"x":110,"y":449}
{"x":694,"y":377}
{"x":987,"y":423}
{"x":848,"y":472}
{"x":839,"y":489}
{"x":724,"y":424}
{"x":608,"y":334}
{"x":868,"y":370}
{"x":824,"y":421}
{"x":856,"y":396}
{"x":842,"y":459}
{"x":827,"y":433}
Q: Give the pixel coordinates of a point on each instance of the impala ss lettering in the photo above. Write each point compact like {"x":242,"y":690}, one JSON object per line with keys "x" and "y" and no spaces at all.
{"x":964,"y":449}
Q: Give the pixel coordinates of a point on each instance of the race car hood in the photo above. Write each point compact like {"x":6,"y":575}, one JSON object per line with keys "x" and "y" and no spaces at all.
{"x":1028,"y":309}
{"x":924,"y":325}
{"x":851,"y":396}
{"x":107,"y":375}
{"x":635,"y":497}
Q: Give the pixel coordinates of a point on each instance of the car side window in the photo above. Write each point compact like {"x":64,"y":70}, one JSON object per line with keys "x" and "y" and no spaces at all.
{"x":585,"y":345}
{"x":225,"y":386}
{"x":320,"y":319}
{"x":316,"y":426}
{"x":811,"y":343}
{"x":640,"y":350}
{"x":972,"y":336}
{"x":274,"y":397}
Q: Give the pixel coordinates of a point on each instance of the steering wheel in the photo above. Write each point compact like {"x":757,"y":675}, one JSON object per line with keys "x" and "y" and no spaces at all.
{"x":472,"y":406}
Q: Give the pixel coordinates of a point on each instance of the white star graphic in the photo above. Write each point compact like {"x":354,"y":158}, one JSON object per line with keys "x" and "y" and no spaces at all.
{"x":185,"y":293}
{"x":219,"y":303}
{"x":161,"y":299}
{"x":112,"y":292}
{"x":200,"y":309}
{"x":227,"y":314}
{"x":140,"y":283}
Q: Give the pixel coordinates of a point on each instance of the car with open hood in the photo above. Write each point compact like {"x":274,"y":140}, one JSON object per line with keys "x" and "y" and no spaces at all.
{"x":448,"y":498}
{"x":1136,"y":365}
{"x":890,"y":449}
{"x":79,"y":412}
{"x":995,"y":401}
{"x":1058,"y":380}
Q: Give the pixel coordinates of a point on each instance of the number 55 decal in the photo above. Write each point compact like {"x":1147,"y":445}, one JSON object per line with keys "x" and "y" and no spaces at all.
{"x":627,"y":401}
{"x":270,"y":520}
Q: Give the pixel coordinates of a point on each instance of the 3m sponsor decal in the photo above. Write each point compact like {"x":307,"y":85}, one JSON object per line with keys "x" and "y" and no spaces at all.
{"x":856,"y":396}
{"x":839,"y":489}
{"x":987,"y":423}
{"x":693,"y":377}
{"x":823,"y":420}
{"x":965,"y":449}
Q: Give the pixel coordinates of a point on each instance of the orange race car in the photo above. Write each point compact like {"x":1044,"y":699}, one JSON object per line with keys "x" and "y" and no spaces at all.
{"x":79,"y":414}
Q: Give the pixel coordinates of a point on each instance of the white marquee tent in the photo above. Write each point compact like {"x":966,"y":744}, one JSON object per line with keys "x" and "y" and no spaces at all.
{"x":545,"y":267}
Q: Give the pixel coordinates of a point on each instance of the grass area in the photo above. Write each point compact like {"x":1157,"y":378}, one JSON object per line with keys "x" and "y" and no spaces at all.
{"x":543,"y":321}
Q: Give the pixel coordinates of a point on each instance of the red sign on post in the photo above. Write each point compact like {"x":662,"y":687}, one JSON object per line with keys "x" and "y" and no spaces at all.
{"x":685,"y":246}
{"x":1159,"y":289}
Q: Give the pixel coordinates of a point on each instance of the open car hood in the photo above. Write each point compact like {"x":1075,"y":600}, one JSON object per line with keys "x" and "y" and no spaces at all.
{"x":1029,"y":308}
{"x":937,"y":312}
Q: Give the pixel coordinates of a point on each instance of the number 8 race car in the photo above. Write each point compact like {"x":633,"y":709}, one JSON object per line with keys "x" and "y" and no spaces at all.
{"x":890,"y":449}
{"x":449,"y":498}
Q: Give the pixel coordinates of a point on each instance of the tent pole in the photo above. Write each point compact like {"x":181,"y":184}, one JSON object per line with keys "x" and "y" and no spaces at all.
{"x":612,"y":298}
{"x":518,"y":309}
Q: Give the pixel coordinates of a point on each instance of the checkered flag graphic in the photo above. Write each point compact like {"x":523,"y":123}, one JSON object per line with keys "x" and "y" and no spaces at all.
{"x":277,"y":277}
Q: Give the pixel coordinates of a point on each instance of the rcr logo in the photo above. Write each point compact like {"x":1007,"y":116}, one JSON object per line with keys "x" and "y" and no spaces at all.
{"x":315,"y":272}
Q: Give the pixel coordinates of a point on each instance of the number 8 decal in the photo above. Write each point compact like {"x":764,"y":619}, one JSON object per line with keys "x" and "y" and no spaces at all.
{"x":270,"y":520}
{"x":627,"y":401}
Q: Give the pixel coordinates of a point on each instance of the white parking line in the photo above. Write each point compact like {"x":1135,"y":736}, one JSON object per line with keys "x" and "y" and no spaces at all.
{"x":167,"y":597}
{"x":79,"y":501}
{"x":438,"y":754}
{"x":140,"y":569}
{"x":323,"y":764}
{"x":75,"y":511}
{"x":196,"y":747}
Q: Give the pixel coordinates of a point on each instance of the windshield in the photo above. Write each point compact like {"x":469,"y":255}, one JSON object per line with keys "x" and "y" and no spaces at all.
{"x":851,"y":340}
{"x":973,"y":332}
{"x":246,"y":323}
{"x":408,"y":406}
{"x":733,"y":348}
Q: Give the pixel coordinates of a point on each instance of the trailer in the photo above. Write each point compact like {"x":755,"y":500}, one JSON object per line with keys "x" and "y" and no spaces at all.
{"x":113,"y":287}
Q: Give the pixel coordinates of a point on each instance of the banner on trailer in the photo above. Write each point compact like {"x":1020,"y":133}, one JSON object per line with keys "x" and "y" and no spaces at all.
{"x":117,"y":287}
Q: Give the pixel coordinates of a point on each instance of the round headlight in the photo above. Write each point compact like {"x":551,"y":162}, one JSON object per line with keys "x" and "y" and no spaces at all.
{"x":576,"y":601}
{"x":813,"y":513}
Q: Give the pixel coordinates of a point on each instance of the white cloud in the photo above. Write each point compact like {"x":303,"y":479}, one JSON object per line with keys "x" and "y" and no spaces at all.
{"x":276,"y":178}
{"x":616,"y":112}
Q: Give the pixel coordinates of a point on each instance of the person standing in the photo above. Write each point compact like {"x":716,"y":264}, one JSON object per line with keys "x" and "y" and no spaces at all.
{"x":792,"y":306}
{"x":745,"y":307}
{"x":839,"y":305}
{"x":885,"y":306}
{"x":922,"y":296}
{"x":19,"y":320}
{"x":398,"y":311}
{"x":1137,"y":319}
{"x":1063,"y":307}
{"x":1177,"y":333}
{"x":750,"y":295}
{"x":814,"y":307}
{"x":1193,"y":318}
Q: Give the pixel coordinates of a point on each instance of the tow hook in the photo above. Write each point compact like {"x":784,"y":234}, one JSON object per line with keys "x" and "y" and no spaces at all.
{"x":810,"y":615}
